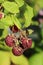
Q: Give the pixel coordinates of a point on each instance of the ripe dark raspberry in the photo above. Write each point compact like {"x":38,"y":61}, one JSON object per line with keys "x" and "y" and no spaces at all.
{"x":22,"y":39}
{"x":9,"y":41}
{"x":26,"y":43}
{"x":14,"y":28}
{"x":17,"y":51}
{"x":1,"y":15}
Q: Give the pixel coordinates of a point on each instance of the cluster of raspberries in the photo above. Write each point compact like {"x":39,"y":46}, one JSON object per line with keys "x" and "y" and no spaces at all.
{"x":18,"y":41}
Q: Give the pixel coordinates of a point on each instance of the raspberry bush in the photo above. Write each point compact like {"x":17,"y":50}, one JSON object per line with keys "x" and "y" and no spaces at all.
{"x":21,"y":32}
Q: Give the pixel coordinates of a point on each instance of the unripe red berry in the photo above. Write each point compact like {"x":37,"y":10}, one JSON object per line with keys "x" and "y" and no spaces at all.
{"x":17,"y":51}
{"x":9,"y":41}
{"x":1,"y":15}
{"x":14,"y":28}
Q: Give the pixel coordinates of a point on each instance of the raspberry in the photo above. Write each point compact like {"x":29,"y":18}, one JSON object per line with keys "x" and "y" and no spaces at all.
{"x":26,"y":43}
{"x":29,"y":43}
{"x":22,"y":39}
{"x":9,"y":41}
{"x":1,"y":15}
{"x":14,"y":28}
{"x":17,"y":51}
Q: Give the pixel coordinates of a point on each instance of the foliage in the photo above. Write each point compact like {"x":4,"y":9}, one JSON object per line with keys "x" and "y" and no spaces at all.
{"x":21,"y":13}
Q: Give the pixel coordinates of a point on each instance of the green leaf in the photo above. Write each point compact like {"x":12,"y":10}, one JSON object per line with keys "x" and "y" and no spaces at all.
{"x":40,"y":3}
{"x":36,"y":9}
{"x":6,"y":12}
{"x":1,"y":1}
{"x":30,"y":31}
{"x":4,"y":58}
{"x":12,"y":7}
{"x":4,"y":47}
{"x":28,"y":16}
{"x":19,"y":2}
{"x":35,"y":23}
{"x":38,"y":6}
{"x":19,"y":60}
{"x":7,"y":21}
{"x":5,"y":33}
{"x":16,"y":21}
{"x":33,"y":44}
{"x":36,"y":59}
{"x":31,"y":2}
{"x":1,"y":25}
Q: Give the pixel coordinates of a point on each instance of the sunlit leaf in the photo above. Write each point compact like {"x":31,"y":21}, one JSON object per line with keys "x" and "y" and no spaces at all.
{"x":2,"y":25}
{"x":7,"y":21}
{"x":30,"y":31}
{"x":19,"y":2}
{"x":16,"y":21}
{"x":12,"y":7}
{"x":19,"y":60}
{"x":4,"y":58}
{"x":28,"y":16}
